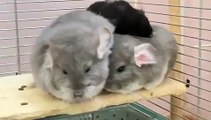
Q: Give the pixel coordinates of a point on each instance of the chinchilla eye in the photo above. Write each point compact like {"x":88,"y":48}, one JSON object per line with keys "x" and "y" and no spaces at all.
{"x":87,"y":70}
{"x":65,"y":72}
{"x":121,"y":69}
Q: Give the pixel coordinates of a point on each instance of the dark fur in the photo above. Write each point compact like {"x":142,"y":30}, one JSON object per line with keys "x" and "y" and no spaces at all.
{"x":126,"y":19}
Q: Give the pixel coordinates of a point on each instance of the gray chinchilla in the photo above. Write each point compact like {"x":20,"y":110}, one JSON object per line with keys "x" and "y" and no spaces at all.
{"x":137,"y":63}
{"x":70,"y":57}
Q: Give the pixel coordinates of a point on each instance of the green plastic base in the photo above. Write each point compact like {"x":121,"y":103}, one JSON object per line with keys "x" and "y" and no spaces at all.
{"x":133,"y":111}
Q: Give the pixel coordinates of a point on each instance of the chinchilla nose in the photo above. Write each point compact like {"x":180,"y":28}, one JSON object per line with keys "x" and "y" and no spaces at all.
{"x":77,"y":93}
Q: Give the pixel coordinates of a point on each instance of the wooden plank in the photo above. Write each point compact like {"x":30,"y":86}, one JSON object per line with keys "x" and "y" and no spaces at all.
{"x":40,"y":104}
{"x":176,"y":29}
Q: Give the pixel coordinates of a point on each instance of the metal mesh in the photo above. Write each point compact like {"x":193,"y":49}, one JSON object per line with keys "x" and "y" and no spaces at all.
{"x":193,"y":66}
{"x":133,"y":111}
{"x":21,"y":21}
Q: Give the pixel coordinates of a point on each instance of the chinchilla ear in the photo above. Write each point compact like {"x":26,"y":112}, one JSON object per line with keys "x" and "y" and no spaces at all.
{"x":144,"y":54}
{"x":105,"y":42}
{"x":48,"y":61}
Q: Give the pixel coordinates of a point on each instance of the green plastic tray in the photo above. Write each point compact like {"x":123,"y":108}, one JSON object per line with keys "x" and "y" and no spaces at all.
{"x":133,"y":111}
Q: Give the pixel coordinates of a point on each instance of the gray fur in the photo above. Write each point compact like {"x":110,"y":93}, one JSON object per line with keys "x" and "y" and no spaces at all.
{"x":70,"y":43}
{"x":148,"y":76}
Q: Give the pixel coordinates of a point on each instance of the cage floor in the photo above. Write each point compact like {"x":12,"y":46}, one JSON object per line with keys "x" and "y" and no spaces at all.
{"x":32,"y":103}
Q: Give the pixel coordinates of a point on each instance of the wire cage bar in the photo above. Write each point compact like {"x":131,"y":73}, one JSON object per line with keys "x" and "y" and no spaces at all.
{"x":22,"y":20}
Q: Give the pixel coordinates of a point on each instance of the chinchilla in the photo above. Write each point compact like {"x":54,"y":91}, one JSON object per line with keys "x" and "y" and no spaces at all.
{"x":70,"y":57}
{"x":137,"y":63}
{"x":127,"y":20}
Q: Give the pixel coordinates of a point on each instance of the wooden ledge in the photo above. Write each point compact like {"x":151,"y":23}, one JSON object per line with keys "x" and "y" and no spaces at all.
{"x":32,"y":103}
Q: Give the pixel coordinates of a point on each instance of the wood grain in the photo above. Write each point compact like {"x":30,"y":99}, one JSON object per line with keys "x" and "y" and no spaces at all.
{"x":31,"y":102}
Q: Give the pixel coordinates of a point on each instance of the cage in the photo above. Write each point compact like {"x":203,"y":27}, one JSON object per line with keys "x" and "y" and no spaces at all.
{"x":21,"y":21}
{"x":122,"y":112}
